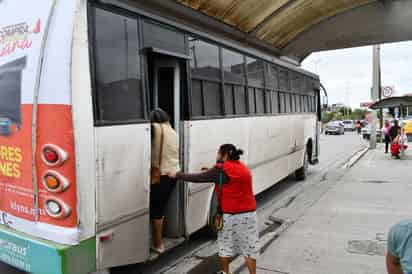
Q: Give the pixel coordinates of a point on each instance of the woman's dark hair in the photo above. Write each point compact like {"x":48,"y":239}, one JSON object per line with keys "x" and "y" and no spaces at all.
{"x":231,"y":151}
{"x":159,"y":116}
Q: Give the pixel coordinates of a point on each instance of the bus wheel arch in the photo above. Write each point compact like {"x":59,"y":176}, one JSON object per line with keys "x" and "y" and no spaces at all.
{"x":301,"y":173}
{"x":309,"y":150}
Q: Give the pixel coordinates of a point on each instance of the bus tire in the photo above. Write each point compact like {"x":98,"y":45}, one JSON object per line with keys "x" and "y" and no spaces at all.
{"x":302,"y":172}
{"x":213,"y":208}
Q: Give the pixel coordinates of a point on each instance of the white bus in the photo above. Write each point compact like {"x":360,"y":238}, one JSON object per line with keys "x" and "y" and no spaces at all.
{"x":82,"y":77}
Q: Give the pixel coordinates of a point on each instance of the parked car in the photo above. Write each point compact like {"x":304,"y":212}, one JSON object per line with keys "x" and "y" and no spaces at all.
{"x":335,"y":127}
{"x":349,"y":125}
{"x":366,"y":132}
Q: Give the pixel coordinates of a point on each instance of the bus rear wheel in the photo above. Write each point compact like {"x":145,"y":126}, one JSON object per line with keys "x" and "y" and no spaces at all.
{"x":302,"y":172}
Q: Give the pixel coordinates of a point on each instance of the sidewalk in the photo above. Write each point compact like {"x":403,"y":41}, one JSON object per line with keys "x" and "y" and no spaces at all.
{"x":344,"y":230}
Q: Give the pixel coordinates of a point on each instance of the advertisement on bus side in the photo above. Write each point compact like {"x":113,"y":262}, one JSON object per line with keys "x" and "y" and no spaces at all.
{"x":36,"y":121}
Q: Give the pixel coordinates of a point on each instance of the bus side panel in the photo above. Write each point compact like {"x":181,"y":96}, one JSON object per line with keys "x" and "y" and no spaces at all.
{"x":83,"y":125}
{"x":304,"y":129}
{"x":200,"y":152}
{"x":298,"y":141}
{"x":271,"y":143}
{"x":266,"y":142}
{"x":311,"y":130}
{"x":123,"y":165}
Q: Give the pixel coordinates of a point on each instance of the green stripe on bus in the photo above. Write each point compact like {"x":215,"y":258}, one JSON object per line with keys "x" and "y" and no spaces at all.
{"x":38,"y":256}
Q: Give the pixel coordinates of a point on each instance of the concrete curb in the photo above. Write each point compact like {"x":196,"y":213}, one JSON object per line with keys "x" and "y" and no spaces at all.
{"x":356,"y":157}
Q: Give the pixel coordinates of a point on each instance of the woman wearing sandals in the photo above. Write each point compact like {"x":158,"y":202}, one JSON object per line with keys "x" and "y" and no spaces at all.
{"x":165,"y":159}
{"x":239,"y":234}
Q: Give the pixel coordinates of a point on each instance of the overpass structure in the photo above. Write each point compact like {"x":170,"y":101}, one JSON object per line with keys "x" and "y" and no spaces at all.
{"x":293,"y":28}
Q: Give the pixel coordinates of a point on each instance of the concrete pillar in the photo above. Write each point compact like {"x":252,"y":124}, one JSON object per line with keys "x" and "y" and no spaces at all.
{"x":375,"y":92}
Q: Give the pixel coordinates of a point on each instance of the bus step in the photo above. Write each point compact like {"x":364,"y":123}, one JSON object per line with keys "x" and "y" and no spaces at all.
{"x":169,"y":243}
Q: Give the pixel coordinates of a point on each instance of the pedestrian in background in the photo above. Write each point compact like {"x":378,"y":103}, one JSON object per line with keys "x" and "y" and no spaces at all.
{"x":394,"y":130}
{"x":386,"y":130}
{"x":358,"y":127}
{"x":399,"y":254}
{"x":400,"y":143}
{"x":234,"y":192}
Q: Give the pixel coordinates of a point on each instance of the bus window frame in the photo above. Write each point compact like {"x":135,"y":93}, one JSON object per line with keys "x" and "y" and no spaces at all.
{"x":96,"y":96}
{"x":139,"y":16}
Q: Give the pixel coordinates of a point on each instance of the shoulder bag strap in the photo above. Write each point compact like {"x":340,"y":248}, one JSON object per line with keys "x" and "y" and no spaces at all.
{"x":220,"y":185}
{"x":161,"y":145}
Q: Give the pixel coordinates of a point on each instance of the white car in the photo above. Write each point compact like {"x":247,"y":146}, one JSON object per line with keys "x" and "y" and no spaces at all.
{"x":349,"y":125}
{"x":335,"y":127}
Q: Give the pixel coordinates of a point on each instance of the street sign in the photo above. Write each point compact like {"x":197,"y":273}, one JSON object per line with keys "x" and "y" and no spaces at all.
{"x":388,"y":91}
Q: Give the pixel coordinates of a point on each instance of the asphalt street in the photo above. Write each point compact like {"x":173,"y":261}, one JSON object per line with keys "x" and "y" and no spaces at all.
{"x":335,"y":150}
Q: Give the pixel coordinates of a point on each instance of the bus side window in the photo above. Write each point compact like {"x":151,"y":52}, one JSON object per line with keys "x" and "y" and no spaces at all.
{"x":298,"y":103}
{"x":206,"y":78}
{"x":288,"y":102}
{"x":118,"y":87}
{"x":275,"y":102}
{"x":234,"y":82}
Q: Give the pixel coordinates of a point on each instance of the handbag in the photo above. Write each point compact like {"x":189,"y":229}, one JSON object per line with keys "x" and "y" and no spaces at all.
{"x":218,"y":217}
{"x":155,"y":172}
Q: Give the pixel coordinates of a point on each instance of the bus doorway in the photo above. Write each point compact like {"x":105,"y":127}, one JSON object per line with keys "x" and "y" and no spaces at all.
{"x":165,"y":77}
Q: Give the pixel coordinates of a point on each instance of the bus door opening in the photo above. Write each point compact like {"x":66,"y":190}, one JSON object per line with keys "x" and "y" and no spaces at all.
{"x":10,"y":96}
{"x":165,"y":81}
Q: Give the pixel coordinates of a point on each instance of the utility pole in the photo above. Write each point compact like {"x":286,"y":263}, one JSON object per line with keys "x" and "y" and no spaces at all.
{"x":380,"y":97}
{"x":347,"y":103}
{"x":375,"y":93}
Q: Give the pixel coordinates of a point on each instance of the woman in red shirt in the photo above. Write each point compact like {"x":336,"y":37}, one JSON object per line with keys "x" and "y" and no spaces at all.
{"x":239,"y":234}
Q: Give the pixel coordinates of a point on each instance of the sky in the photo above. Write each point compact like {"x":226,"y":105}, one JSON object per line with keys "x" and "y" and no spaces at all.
{"x":347,"y":73}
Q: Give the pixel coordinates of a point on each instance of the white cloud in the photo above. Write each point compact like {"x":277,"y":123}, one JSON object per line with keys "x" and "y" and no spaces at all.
{"x":347,"y":73}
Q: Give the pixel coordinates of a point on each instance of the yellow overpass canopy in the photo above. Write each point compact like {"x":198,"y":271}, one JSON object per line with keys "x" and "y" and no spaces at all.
{"x":296,"y":28}
{"x":276,"y":22}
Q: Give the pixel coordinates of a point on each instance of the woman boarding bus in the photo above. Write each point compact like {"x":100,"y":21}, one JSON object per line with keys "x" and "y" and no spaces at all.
{"x":238,"y":233}
{"x":75,"y":141}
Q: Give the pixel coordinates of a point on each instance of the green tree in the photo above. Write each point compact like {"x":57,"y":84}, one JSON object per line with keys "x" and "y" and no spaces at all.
{"x":338,"y":116}
{"x":345,"y":112}
{"x":358,"y":114}
{"x":327,"y":116}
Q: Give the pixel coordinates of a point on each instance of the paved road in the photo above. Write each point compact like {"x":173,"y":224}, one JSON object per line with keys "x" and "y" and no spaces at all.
{"x":334,"y":149}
